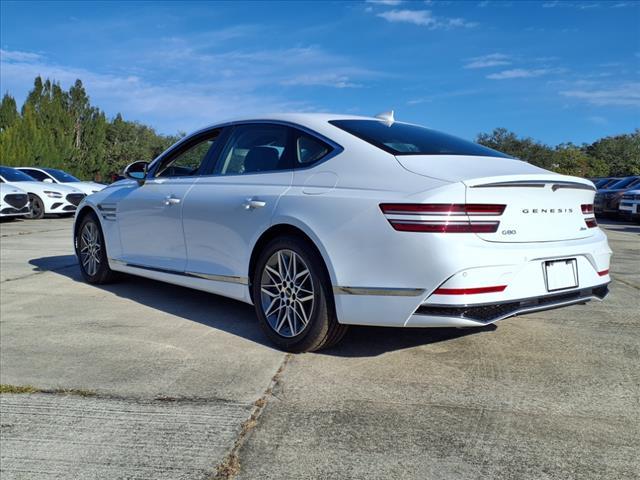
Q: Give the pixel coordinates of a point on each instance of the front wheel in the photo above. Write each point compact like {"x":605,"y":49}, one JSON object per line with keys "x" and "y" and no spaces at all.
{"x":293,"y":297}
{"x":91,"y":251}
{"x":37,"y":207}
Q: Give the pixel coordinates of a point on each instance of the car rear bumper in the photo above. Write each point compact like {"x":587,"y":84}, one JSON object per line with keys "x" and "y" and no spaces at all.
{"x":469,"y":266}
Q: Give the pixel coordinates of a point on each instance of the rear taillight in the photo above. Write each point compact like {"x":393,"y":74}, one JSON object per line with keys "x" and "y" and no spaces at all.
{"x":459,"y":217}
{"x":587,"y":208}
{"x":469,"y":291}
{"x":441,"y":209}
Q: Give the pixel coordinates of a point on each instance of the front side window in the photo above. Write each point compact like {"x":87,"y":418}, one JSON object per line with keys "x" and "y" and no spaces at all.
{"x":255,"y":148}
{"x":309,"y":149}
{"x":187,"y":161}
{"x":406,"y":139}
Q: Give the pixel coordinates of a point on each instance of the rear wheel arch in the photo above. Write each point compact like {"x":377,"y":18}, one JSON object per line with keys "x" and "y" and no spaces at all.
{"x":281,"y":230}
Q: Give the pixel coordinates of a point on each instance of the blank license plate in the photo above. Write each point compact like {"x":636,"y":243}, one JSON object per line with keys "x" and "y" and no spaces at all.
{"x":561,"y":274}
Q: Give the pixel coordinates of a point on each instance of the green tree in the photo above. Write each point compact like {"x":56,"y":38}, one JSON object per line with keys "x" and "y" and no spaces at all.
{"x":526,"y":149}
{"x":621,"y":153}
{"x":8,"y":112}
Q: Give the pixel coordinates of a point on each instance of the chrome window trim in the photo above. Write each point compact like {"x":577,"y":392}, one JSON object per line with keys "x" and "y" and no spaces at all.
{"x":337,"y":149}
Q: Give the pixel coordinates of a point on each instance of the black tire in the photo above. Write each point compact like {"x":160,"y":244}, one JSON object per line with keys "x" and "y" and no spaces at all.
{"x":322,"y":328}
{"x":37,"y":207}
{"x":91,"y":251}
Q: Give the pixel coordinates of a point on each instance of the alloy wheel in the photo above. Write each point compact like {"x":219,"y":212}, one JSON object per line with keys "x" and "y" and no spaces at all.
{"x":90,"y":248}
{"x":287,"y":293}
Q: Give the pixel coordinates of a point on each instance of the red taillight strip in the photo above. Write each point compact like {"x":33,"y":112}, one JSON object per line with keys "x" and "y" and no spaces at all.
{"x":604,"y":272}
{"x":587,"y":208}
{"x":591,"y":222}
{"x":441,"y":209}
{"x":469,"y":291}
{"x":444,"y":227}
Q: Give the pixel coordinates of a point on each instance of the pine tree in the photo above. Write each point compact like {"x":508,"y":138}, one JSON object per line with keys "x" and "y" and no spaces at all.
{"x":8,"y":112}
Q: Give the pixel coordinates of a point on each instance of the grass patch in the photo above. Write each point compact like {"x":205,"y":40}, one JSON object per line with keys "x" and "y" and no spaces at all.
{"x":17,"y":389}
{"x":4,"y":388}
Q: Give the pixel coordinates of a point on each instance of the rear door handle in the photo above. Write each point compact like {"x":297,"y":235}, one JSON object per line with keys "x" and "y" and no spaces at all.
{"x":171,"y":200}
{"x":252,"y":204}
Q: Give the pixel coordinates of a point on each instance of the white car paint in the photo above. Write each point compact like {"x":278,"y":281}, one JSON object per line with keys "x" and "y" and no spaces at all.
{"x":55,"y":197}
{"x":205,"y":236}
{"x":48,"y":175}
{"x":14,"y":202}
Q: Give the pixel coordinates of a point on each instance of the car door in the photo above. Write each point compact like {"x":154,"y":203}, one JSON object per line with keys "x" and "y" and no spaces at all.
{"x":150,"y":215}
{"x":228,"y":209}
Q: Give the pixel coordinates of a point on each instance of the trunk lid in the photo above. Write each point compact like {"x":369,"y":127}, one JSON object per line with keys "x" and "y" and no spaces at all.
{"x":541,"y":206}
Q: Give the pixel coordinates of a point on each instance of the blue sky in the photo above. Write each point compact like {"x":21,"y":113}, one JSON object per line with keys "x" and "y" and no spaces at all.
{"x":557,"y":71}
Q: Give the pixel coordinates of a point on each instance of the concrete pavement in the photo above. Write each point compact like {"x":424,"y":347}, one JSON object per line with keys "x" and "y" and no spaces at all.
{"x":182,"y":382}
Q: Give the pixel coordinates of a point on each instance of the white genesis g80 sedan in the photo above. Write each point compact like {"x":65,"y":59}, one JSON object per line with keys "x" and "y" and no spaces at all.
{"x":321,"y":221}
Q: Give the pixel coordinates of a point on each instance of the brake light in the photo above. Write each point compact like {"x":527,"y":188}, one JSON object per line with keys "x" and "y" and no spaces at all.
{"x":587,"y":208}
{"x":459,"y":217}
{"x":604,"y":273}
{"x":469,"y":291}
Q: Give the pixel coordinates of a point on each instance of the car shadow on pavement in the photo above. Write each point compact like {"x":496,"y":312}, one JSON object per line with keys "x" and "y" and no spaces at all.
{"x":239,"y":319}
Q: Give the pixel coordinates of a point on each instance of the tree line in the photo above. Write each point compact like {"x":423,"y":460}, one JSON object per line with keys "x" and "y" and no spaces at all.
{"x":61,"y":129}
{"x":56,"y":128}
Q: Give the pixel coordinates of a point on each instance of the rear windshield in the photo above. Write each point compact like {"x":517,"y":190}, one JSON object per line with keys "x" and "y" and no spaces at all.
{"x":405,"y":139}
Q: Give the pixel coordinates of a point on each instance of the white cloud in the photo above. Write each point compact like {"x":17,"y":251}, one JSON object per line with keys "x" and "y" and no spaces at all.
{"x":321,"y":80}
{"x":391,"y":3}
{"x":424,"y":18}
{"x":417,"y":17}
{"x":18,"y":56}
{"x":520,"y":73}
{"x":627,"y":94}
{"x":166,"y":95}
{"x":491,"y":60}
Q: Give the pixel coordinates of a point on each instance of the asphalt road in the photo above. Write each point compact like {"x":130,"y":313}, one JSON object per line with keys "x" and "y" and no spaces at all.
{"x":140,"y":379}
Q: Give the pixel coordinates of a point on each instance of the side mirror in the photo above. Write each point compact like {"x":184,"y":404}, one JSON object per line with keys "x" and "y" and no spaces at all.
{"x":136,"y":171}
{"x":47,"y":180}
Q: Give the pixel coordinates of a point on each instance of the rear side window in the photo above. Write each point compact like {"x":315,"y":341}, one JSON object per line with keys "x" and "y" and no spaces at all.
{"x":405,"y":139}
{"x":309,"y":149}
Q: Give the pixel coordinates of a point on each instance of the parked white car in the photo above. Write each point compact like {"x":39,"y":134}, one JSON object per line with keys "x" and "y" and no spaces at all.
{"x":630,"y":205}
{"x":53,"y":175}
{"x":321,"y":221}
{"x":44,"y":198}
{"x":14,"y":202}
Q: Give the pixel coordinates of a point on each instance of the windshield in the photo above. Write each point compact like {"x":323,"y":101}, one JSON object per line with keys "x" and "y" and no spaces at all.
{"x":405,"y":139}
{"x":13,"y":175}
{"x":61,"y":176}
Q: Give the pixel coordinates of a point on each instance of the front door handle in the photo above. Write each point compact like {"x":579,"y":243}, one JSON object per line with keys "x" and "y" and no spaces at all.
{"x":252,"y":204}
{"x":171,"y":200}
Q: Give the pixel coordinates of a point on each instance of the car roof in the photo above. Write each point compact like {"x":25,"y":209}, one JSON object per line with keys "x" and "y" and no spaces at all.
{"x":303,"y":119}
